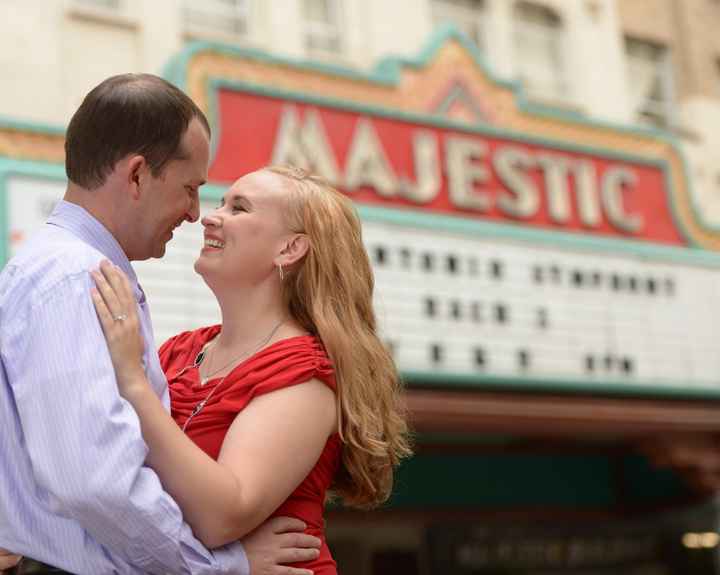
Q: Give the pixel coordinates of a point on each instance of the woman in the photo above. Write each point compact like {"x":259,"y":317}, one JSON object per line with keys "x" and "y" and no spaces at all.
{"x":294,"y":394}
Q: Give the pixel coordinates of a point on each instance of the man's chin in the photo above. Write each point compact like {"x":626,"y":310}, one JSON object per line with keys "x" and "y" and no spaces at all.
{"x":158,"y":252}
{"x":152,"y":251}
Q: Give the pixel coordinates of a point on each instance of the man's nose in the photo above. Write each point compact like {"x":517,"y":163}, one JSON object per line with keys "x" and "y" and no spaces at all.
{"x":193,"y":213}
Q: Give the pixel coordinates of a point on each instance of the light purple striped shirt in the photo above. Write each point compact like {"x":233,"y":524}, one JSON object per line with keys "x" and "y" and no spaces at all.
{"x":74,"y":491}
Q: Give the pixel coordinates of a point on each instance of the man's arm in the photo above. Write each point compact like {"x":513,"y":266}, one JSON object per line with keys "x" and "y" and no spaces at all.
{"x":276,"y":542}
{"x":84,"y":441}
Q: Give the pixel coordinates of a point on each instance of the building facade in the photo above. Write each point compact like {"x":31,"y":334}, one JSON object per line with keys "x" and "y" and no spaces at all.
{"x":646,"y":62}
{"x":539,"y":186}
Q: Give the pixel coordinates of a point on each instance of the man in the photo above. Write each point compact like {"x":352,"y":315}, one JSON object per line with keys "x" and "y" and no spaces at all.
{"x":74,"y":493}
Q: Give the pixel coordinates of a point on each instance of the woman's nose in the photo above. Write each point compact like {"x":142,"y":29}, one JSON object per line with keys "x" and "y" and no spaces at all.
{"x":212,"y":220}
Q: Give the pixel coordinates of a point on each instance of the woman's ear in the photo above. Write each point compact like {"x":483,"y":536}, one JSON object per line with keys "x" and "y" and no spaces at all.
{"x":294,"y":250}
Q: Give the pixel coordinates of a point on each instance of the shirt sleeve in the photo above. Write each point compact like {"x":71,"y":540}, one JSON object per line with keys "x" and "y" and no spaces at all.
{"x":84,"y":440}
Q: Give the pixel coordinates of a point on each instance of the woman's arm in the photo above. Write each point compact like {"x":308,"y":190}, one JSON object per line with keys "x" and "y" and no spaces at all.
{"x":8,"y":560}
{"x":270,"y":448}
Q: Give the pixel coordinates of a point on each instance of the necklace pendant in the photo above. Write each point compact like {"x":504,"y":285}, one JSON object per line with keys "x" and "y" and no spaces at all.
{"x":203,"y":381}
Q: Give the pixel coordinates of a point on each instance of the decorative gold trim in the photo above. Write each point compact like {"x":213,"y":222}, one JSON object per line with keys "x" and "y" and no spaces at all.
{"x":22,"y":145}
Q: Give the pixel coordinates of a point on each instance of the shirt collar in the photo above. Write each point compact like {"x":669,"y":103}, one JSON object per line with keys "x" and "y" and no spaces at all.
{"x":78,"y":221}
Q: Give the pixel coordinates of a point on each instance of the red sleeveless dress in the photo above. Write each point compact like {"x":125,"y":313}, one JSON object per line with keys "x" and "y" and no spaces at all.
{"x":287,"y":362}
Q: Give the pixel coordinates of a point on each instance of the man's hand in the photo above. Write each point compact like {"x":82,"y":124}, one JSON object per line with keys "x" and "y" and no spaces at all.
{"x":8,"y":560}
{"x":277,"y":541}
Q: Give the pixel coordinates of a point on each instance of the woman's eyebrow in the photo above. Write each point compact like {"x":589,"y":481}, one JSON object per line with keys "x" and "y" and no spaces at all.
{"x":236,"y":198}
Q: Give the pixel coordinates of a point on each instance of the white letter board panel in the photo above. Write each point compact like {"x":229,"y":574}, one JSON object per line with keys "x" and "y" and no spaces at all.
{"x":461,"y":305}
{"x":30,"y":200}
{"x":179,"y":299}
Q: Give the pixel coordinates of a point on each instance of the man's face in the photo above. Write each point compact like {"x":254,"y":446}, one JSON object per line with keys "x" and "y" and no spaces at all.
{"x":172,"y":198}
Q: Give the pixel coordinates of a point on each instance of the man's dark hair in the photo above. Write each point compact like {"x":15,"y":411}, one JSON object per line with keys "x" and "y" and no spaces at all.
{"x":127,"y":114}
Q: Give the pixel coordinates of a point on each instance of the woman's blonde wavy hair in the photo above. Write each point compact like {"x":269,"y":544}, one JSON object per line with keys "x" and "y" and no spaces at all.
{"x":330,"y":293}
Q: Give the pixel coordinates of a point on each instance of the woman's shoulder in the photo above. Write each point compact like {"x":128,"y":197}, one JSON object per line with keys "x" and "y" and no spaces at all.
{"x":305,"y":349}
{"x":290,"y":361}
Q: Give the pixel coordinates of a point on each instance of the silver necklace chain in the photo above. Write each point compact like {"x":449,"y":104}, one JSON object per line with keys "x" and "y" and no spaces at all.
{"x":199,"y":407}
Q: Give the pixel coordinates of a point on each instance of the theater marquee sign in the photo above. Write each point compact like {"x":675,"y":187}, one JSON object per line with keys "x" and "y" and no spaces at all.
{"x":436,"y":169}
{"x":513,"y":245}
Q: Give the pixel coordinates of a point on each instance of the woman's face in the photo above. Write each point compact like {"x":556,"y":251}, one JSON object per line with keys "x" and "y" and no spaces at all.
{"x":247,"y":232}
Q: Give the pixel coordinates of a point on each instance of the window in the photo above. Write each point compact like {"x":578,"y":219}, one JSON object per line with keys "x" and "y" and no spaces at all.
{"x":322,"y":26}
{"x":650,"y":82}
{"x":467,"y":15}
{"x":112,"y":12}
{"x":103,"y":4}
{"x":216,"y":17}
{"x":538,"y":40}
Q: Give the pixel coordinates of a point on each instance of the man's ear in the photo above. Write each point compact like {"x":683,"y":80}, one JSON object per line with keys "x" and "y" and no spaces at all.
{"x":294,"y":250}
{"x":136,"y":170}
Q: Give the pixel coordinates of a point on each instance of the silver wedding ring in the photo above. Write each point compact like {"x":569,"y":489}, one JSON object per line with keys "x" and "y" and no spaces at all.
{"x":120,"y":317}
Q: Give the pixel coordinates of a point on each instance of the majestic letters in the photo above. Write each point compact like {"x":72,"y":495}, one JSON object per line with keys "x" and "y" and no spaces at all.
{"x":478,"y":174}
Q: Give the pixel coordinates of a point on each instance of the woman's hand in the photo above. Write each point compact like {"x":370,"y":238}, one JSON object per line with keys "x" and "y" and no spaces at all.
{"x":117,"y":309}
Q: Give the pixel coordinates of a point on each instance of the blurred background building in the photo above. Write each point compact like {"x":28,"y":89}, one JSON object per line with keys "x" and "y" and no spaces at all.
{"x":540,"y":185}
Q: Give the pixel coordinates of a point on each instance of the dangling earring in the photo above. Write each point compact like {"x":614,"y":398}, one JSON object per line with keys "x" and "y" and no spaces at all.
{"x":282,"y":273}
